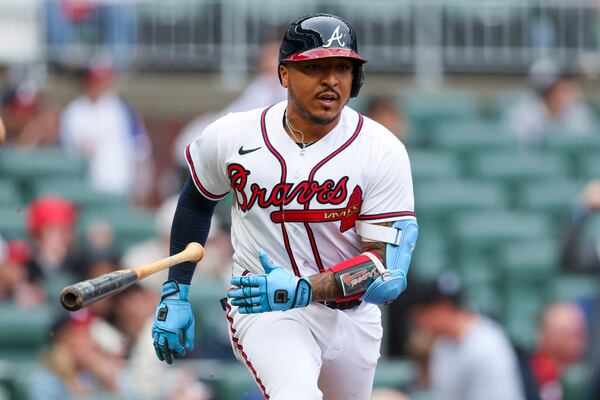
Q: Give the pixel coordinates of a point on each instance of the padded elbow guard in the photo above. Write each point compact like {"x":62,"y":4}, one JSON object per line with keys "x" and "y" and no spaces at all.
{"x":401,"y":239}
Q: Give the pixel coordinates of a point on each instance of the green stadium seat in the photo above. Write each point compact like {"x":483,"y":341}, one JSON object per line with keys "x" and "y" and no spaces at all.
{"x":425,"y":110}
{"x":130,"y":225}
{"x":529,"y":261}
{"x":12,"y":222}
{"x":554,"y":197}
{"x":394,"y":373}
{"x":573,"y":288}
{"x":205,"y":295}
{"x":442,"y":198}
{"x":426,"y":164}
{"x":24,"y":165}
{"x":233,"y":381}
{"x":24,"y":331}
{"x":10,"y":194}
{"x":500,"y":101}
{"x":523,"y":305}
{"x":486,"y":229}
{"x":589,"y":167}
{"x":440,"y":105}
{"x":431,"y":255}
{"x":518,"y":167}
{"x":572,"y":144}
{"x":576,"y":381}
{"x":79,"y":192}
{"x":467,"y":137}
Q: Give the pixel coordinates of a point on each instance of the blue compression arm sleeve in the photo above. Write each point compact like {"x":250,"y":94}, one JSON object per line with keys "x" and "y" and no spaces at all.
{"x":191,"y":223}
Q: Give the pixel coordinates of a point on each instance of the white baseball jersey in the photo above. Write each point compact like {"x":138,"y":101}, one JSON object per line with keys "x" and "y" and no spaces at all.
{"x":300,"y":205}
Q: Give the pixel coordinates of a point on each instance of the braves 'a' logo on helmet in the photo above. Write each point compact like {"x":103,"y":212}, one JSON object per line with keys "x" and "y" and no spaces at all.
{"x":337,"y":36}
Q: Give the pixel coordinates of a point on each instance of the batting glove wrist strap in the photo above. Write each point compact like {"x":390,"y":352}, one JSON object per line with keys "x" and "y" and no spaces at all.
{"x":171,"y":288}
{"x":277,"y":290}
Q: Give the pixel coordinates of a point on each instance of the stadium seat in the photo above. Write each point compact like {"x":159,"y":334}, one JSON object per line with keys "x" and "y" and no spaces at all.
{"x":467,"y":137}
{"x":523,"y":305}
{"x":24,"y":331}
{"x":10,"y":194}
{"x":554,"y":196}
{"x":531,"y":261}
{"x":518,"y":167}
{"x":442,"y":198}
{"x":589,"y":167}
{"x":576,"y":381}
{"x":431,"y":255}
{"x":130,"y":225}
{"x":79,"y":192}
{"x":478,"y":230}
{"x":12,"y":222}
{"x":425,"y":110}
{"x":427,"y":164}
{"x":205,"y":295}
{"x":24,"y":165}
{"x":394,"y":373}
{"x":572,"y":144}
{"x":574,"y":288}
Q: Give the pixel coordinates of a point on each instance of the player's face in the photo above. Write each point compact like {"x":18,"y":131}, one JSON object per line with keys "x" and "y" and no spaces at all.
{"x":318,"y":89}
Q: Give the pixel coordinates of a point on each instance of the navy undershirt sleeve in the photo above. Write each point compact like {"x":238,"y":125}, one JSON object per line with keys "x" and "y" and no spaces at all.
{"x":191,"y":223}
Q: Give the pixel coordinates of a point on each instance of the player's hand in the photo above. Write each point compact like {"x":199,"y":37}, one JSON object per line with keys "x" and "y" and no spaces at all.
{"x":173,"y":321}
{"x":277,"y":290}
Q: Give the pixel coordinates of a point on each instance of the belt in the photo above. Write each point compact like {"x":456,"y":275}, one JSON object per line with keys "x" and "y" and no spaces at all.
{"x":345,"y":305}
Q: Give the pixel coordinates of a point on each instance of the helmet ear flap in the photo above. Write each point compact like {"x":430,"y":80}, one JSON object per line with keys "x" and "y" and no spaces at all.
{"x":357,"y":79}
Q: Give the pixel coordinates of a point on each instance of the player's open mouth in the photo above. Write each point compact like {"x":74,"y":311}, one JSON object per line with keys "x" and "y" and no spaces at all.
{"x":327,"y":98}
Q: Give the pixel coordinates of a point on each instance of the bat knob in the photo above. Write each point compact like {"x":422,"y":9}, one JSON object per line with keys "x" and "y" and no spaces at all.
{"x":70,"y":299}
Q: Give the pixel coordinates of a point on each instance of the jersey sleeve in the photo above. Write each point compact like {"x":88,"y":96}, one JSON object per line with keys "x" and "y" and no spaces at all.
{"x":389,"y":190}
{"x":206,"y":166}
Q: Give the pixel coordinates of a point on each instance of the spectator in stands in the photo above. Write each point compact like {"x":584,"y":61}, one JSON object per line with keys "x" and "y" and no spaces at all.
{"x":72,"y":24}
{"x":384,"y":109}
{"x":580,"y":252}
{"x":30,"y":122}
{"x":14,"y":284}
{"x":133,"y":315}
{"x":471,"y":358}
{"x":77,"y":365}
{"x":561,"y":343}
{"x":51,"y":223}
{"x":103,"y":127}
{"x":554,"y":105}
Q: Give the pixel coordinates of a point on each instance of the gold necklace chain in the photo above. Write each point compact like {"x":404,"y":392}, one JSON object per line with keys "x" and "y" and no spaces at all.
{"x":294,"y":130}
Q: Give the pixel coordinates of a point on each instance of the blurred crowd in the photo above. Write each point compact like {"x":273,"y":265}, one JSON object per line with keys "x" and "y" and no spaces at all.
{"x":459,"y":353}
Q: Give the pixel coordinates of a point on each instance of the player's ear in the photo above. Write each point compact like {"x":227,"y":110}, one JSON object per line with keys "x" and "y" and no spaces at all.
{"x":283,"y":75}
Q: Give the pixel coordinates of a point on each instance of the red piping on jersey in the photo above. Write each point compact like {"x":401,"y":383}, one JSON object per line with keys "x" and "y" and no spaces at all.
{"x":241,"y":349}
{"x":205,"y":192}
{"x":286,"y":241}
{"x":388,"y":215}
{"x":311,"y":176}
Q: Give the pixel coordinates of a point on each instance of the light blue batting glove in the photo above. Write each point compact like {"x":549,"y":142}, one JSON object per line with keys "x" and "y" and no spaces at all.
{"x":173,"y":323}
{"x":277,"y":290}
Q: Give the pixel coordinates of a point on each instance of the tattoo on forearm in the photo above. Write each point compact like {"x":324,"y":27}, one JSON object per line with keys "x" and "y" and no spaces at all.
{"x":324,"y":287}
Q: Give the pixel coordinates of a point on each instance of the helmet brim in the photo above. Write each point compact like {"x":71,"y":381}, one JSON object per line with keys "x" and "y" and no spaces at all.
{"x":321,"y":52}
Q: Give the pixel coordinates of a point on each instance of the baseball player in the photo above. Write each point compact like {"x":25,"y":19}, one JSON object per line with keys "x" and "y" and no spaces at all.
{"x":323,"y":226}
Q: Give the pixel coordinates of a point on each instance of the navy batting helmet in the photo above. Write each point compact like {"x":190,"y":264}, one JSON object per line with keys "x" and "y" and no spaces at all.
{"x":322,"y":36}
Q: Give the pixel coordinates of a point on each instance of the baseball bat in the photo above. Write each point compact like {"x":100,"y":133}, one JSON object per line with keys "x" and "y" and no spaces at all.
{"x":83,"y":293}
